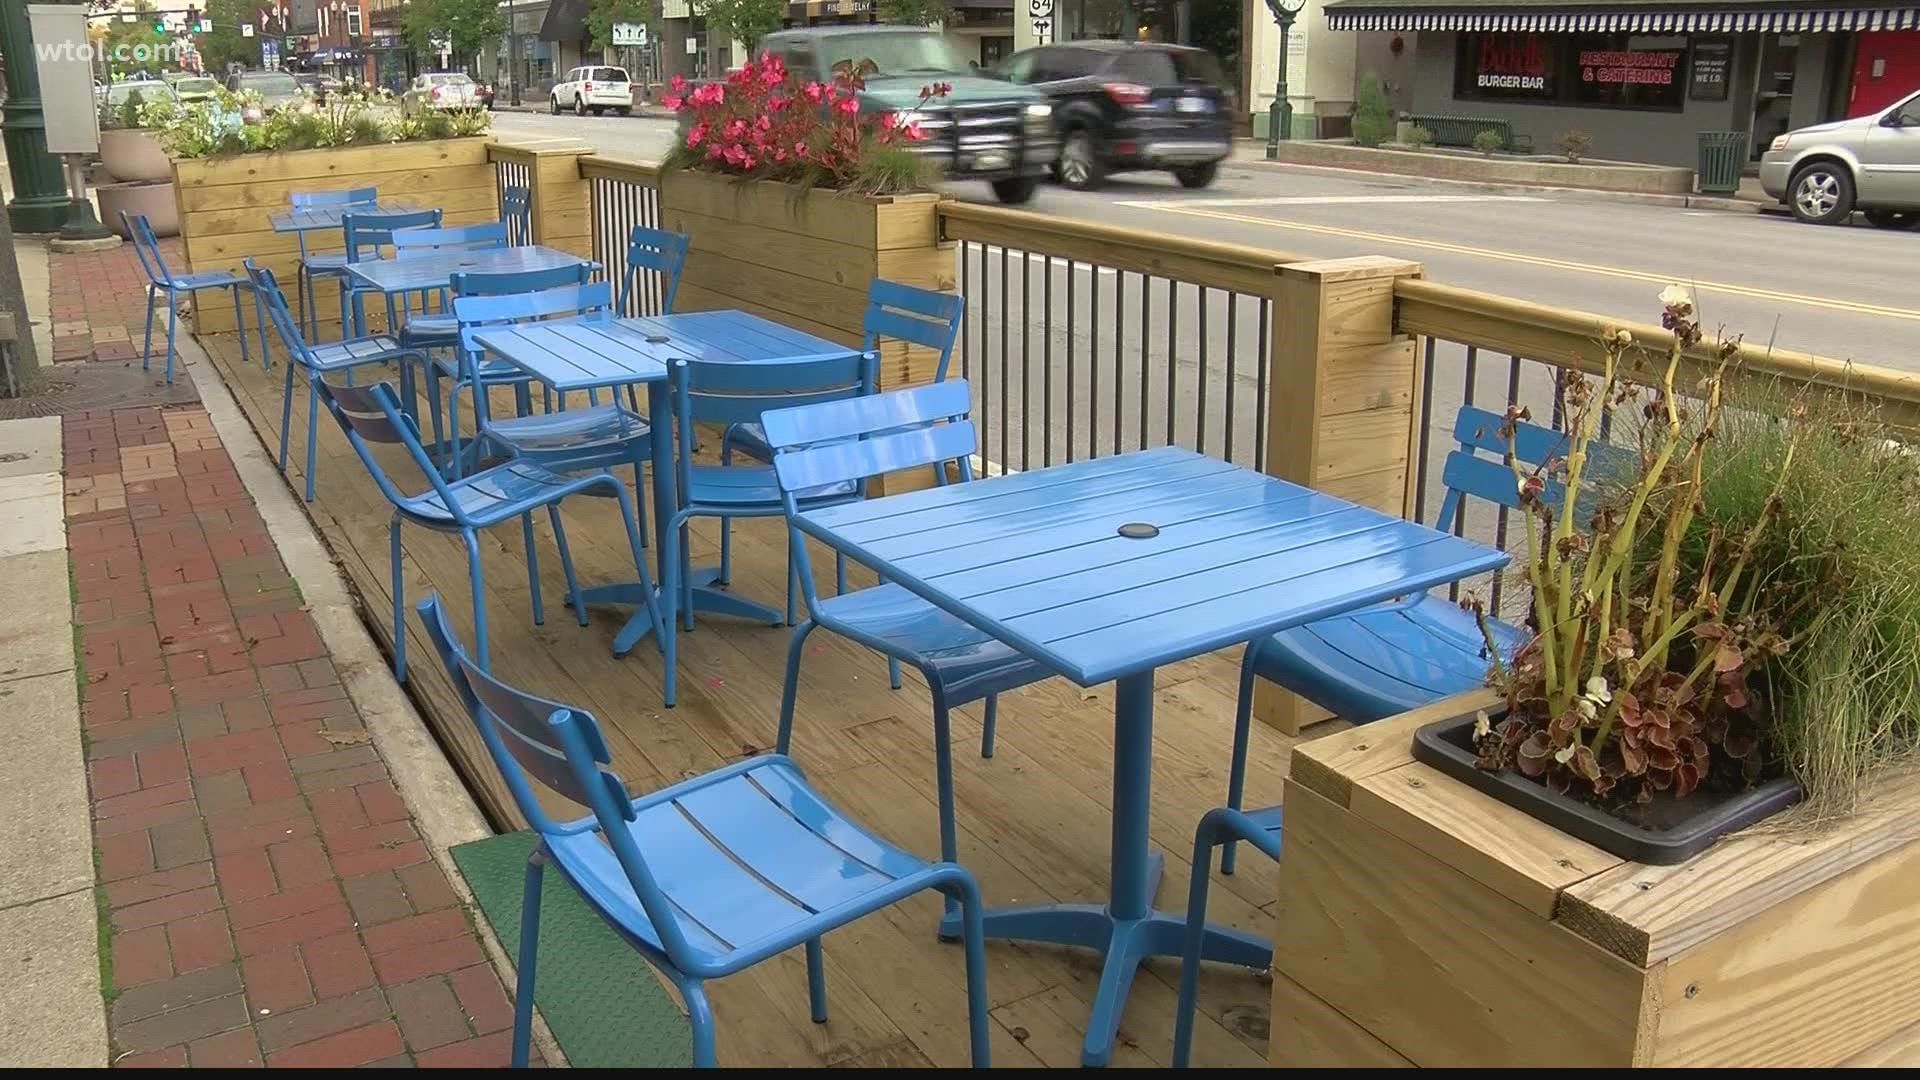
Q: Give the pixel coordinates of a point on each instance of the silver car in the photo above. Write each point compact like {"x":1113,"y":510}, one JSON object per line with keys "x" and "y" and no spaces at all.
{"x":1869,"y":163}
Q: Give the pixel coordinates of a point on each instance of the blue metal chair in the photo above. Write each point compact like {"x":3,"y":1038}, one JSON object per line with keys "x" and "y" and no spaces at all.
{"x":483,"y":300}
{"x":327,"y":264}
{"x":316,"y":360}
{"x":161,"y":279}
{"x":899,"y":312}
{"x":722,"y":392}
{"x":829,"y":445}
{"x":438,"y":329}
{"x":1261,"y":828}
{"x":704,"y":878}
{"x":516,"y":211}
{"x":658,"y":252}
{"x":1405,"y":653}
{"x":371,"y":414}
{"x":370,"y":236}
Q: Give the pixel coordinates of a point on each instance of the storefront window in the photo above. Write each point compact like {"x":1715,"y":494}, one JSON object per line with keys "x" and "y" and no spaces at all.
{"x":1609,"y":71}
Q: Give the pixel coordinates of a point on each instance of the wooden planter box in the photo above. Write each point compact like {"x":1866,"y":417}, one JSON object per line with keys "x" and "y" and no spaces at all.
{"x":1421,"y":922}
{"x":226,"y":205}
{"x":805,"y":257}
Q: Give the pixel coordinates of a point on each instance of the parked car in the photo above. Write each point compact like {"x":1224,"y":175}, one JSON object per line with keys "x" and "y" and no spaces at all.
{"x":1121,"y":105}
{"x":593,"y":87}
{"x":118,"y":94}
{"x":275,"y":88}
{"x":985,"y":129}
{"x":1870,"y":163}
{"x":440,"y":90}
{"x":317,"y":86}
{"x":194,"y":88}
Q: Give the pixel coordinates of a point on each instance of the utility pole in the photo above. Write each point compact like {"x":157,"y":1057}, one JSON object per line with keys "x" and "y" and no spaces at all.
{"x":39,"y":190}
{"x":513,"y":55}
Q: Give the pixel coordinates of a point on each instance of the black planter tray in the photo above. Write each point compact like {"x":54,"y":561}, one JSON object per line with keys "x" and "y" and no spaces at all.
{"x":1674,"y":830}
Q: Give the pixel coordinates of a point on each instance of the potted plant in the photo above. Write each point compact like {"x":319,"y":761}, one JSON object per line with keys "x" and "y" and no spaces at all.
{"x":129,"y":148}
{"x":1639,"y":717}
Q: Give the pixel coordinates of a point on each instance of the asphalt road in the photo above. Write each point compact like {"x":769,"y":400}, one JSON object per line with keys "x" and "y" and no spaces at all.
{"x":1846,"y":292}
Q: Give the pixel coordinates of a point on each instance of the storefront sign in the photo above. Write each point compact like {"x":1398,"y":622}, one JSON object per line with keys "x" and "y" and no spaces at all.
{"x":1712,"y":59}
{"x":1513,"y":66}
{"x":1639,"y":68}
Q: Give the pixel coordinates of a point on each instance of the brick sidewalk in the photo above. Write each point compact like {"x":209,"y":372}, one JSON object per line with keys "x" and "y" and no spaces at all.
{"x":99,"y":303}
{"x":269,"y":898}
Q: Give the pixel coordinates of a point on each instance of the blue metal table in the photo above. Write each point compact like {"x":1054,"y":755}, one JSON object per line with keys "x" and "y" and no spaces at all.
{"x":317,"y":218}
{"x":578,"y":356}
{"x":1107,"y":569}
{"x":432,"y":270}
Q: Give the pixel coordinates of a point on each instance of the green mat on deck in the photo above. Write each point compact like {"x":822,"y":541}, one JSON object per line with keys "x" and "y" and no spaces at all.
{"x":602,"y":1001}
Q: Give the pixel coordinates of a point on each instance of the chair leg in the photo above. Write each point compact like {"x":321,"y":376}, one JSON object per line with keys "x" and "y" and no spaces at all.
{"x":790,"y":685}
{"x":479,"y":597}
{"x":286,"y":414}
{"x":433,"y":402}
{"x":973,"y":932}
{"x":313,"y":429}
{"x":943,"y":778}
{"x":525,"y":966}
{"x":399,"y":601}
{"x":1195,"y":935}
{"x":566,"y":562}
{"x":639,"y":495}
{"x":793,"y":577}
{"x":816,"y":982}
{"x":700,"y":1015}
{"x":302,"y":289}
{"x":986,"y":726}
{"x":240,"y":326}
{"x":146,"y":347}
{"x":533,"y":568}
{"x":893,"y":672}
{"x":260,"y":324}
{"x":726,"y":554}
{"x":839,"y":573}
{"x":1237,"y":767}
{"x":173,"y":319}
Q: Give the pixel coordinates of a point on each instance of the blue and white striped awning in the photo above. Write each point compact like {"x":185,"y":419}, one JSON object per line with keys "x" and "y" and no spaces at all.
{"x":1668,"y":21}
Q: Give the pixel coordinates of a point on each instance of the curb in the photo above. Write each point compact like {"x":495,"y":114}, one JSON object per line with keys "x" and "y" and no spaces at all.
{"x":1690,"y":202}
{"x":642,"y":112}
{"x":444,"y":811}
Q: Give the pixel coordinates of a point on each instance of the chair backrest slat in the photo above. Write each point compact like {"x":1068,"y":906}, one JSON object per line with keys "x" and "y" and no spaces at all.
{"x":788,"y":428}
{"x":586,"y":300}
{"x":367,"y":234}
{"x":516,"y":212}
{"x":660,"y":251}
{"x":733,"y":392}
{"x":1466,"y":472}
{"x":857,"y":459}
{"x":371,"y":414}
{"x":487,"y":234}
{"x":914,"y":315}
{"x":505,"y":282}
{"x":314,"y":200}
{"x":267,"y":287}
{"x":562,"y":748}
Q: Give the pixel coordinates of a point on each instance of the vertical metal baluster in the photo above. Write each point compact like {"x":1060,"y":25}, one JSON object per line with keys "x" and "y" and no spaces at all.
{"x":1006,"y":386}
{"x":1233,"y":326}
{"x":1093,"y":361}
{"x":1261,"y":363}
{"x":1046,"y":360}
{"x":1119,"y":359}
{"x":1072,"y":269}
{"x":1200,"y":413}
{"x":983,"y":306}
{"x":1026,"y":360}
{"x":1173,"y":354}
{"x":1426,"y":436}
{"x":1500,"y":521}
{"x":1146,"y":352}
{"x":966,"y":324}
{"x":1466,"y":398}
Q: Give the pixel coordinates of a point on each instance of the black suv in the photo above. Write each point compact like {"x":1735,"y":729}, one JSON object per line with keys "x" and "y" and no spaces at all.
{"x":1124,"y":105}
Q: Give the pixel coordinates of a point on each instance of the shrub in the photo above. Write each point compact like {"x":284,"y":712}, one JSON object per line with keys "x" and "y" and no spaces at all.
{"x":1418,"y":137}
{"x":130,"y":109}
{"x":1574,"y":144}
{"x":1489,"y":142}
{"x":231,"y":123}
{"x":764,"y":123}
{"x":1372,"y":117}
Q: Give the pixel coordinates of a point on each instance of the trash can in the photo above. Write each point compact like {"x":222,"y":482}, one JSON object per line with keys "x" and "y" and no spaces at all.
{"x":1723,"y":154}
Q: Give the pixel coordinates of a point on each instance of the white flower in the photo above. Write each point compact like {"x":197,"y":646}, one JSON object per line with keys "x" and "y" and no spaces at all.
{"x":1482,"y":725}
{"x":1587,"y":708}
{"x":1565,"y":753}
{"x":1675,"y":296}
{"x":1597,"y":690}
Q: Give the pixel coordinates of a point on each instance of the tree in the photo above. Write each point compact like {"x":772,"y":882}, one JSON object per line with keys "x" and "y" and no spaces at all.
{"x":602,"y":14}
{"x":224,"y":44}
{"x":913,"y":12}
{"x":467,"y":25}
{"x":137,"y":46}
{"x":745,"y":21}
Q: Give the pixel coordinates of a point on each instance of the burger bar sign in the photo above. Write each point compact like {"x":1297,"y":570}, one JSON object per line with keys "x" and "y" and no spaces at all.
{"x":1518,"y":65}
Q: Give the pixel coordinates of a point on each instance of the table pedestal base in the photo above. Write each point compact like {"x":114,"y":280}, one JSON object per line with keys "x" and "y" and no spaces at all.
{"x":705,"y":598}
{"x":1126,"y":943}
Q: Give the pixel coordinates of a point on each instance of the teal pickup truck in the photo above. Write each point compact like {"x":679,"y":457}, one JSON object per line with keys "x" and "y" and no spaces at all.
{"x":986,"y":129}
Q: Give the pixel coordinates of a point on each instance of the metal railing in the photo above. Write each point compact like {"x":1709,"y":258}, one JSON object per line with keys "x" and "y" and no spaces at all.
{"x":510,"y":170}
{"x":1084,"y":339}
{"x":624,"y":194}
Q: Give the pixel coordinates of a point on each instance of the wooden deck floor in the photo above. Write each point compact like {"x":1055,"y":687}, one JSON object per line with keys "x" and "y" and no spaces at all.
{"x":1034,"y":820}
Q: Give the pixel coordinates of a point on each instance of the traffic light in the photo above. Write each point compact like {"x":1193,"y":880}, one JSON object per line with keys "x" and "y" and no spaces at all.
{"x":193,"y":20}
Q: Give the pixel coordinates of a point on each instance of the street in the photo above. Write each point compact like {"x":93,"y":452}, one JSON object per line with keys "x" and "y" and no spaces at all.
{"x":1845,"y":292}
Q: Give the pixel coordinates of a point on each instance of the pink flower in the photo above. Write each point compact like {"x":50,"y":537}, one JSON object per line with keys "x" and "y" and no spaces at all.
{"x":708,"y":94}
{"x":800,"y":147}
{"x":695,"y":134}
{"x":914,"y":132}
{"x":678,"y":83}
{"x":735,"y":128}
{"x":847,"y":105}
{"x":816,"y":92}
{"x":778,"y":104}
{"x":762,"y":122}
{"x":673,"y":101}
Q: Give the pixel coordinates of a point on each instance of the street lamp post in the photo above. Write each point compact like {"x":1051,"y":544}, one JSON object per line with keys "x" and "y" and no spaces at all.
{"x":513,"y":56}
{"x":1280,"y":113}
{"x":40,"y":193}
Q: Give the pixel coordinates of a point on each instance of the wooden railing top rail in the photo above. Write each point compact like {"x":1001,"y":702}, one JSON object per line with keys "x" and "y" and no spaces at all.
{"x":1239,"y":267}
{"x":531,"y":148}
{"x":1569,"y":338}
{"x":640,"y":172}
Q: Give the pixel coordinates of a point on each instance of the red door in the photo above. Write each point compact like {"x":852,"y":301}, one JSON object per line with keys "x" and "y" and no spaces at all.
{"x":1886,"y":68}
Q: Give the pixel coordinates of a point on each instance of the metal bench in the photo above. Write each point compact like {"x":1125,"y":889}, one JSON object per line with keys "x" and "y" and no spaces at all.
{"x":1460,"y":130}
